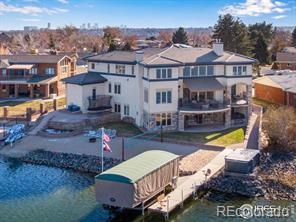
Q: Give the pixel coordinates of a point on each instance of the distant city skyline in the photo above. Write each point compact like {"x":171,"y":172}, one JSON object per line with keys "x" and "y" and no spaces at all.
{"x":14,"y":15}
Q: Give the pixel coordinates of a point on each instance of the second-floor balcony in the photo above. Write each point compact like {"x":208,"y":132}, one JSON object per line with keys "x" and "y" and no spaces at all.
{"x":204,"y":106}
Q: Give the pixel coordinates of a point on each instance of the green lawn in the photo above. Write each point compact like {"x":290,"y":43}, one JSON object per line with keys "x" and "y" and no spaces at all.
{"x":123,"y":129}
{"x":19,"y":107}
{"x":263,"y":103}
{"x":222,"y":138}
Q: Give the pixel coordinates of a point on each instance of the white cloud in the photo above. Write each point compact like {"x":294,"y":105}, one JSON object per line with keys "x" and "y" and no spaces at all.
{"x":29,"y":20}
{"x":64,"y":1}
{"x":32,"y":10}
{"x":61,"y":9}
{"x":255,"y":8}
{"x":279,"y":16}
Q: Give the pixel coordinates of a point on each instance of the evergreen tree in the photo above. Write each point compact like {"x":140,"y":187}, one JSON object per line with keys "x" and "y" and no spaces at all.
{"x":294,"y":37}
{"x":261,"y":35}
{"x":234,"y":34}
{"x":51,"y":43}
{"x":180,"y":36}
{"x":260,"y":48}
{"x":112,"y":46}
{"x":127,"y":47}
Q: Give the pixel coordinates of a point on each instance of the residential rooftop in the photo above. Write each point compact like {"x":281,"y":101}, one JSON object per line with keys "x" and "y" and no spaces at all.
{"x":176,"y":54}
{"x":85,"y":79}
{"x":32,"y":59}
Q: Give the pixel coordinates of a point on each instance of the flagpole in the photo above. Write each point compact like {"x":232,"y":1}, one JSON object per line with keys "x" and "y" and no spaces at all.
{"x":102,"y":149}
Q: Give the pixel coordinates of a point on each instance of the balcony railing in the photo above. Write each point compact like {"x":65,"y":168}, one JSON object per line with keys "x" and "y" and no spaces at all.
{"x":99,"y":102}
{"x":202,"y":106}
{"x":14,"y":77}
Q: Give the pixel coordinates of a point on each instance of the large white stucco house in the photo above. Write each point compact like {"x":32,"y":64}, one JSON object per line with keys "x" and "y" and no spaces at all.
{"x":178,"y":87}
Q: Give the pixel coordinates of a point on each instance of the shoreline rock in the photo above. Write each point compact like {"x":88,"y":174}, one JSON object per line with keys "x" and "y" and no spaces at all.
{"x":267,"y":183}
{"x":82,"y":163}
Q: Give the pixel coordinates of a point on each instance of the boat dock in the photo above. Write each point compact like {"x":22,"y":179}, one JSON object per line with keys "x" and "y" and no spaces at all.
{"x":188,"y":187}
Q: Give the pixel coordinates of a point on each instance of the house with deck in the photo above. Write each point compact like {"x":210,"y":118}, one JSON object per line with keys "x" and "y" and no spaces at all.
{"x":34,"y":76}
{"x":178,"y":87}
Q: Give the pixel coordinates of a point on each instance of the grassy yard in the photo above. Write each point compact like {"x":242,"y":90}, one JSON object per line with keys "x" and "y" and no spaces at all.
{"x":123,"y":129}
{"x":263,"y":103}
{"x":19,"y":107}
{"x":222,"y":138}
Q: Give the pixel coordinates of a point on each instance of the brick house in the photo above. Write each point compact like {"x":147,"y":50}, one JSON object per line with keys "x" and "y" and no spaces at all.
{"x":287,"y":58}
{"x":279,"y":89}
{"x":34,"y":76}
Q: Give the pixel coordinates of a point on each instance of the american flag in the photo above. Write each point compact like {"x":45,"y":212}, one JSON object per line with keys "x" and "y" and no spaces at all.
{"x":106,"y":147}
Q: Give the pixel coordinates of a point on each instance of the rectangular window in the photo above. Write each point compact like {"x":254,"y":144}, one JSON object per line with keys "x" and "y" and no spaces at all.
{"x":117,"y":107}
{"x":163,"y":119}
{"x":244,"y":70}
{"x":186,"y":71}
{"x":194,"y":71}
{"x":234,"y":70}
{"x":210,"y":95}
{"x":163,"y":73}
{"x":202,"y":70}
{"x":164,"y":97}
{"x":169,"y":73}
{"x":133,"y":70}
{"x":239,"y":70}
{"x":108,"y":68}
{"x":210,"y":70}
{"x":158,"y":73}
{"x":110,"y":87}
{"x":33,"y":71}
{"x":94,"y":93}
{"x":169,"y":119}
{"x":49,"y":71}
{"x":126,"y":110}
{"x":169,"y":96}
{"x":158,"y":100}
{"x":117,"y":88}
{"x":93,"y":65}
{"x":146,"y":95}
{"x":120,"y":69}
{"x":3,"y":72}
{"x":157,"y":119}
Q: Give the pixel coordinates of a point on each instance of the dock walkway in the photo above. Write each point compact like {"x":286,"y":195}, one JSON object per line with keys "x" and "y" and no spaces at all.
{"x":186,"y":189}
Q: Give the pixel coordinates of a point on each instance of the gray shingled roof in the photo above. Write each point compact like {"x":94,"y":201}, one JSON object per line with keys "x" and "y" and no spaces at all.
{"x":85,"y":79}
{"x":32,"y":59}
{"x":173,"y":55}
{"x":123,"y":56}
{"x":287,"y":82}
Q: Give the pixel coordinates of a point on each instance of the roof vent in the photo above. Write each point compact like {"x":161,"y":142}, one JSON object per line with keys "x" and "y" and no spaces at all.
{"x":218,"y":47}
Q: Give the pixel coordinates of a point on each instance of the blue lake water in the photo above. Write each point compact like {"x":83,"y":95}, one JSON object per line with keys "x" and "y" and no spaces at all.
{"x":33,"y":193}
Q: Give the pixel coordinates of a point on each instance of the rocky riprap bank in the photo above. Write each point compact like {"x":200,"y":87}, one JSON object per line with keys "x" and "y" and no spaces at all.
{"x":83,"y":163}
{"x":268,"y":184}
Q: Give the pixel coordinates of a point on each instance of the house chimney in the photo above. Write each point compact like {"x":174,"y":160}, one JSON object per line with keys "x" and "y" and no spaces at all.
{"x":139,"y":56}
{"x":218,"y":47}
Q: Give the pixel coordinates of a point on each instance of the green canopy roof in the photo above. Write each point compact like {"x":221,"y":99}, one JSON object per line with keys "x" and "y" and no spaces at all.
{"x":137,"y":167}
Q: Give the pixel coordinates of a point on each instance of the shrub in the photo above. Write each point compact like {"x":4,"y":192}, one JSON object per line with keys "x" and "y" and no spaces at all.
{"x":280,"y":126}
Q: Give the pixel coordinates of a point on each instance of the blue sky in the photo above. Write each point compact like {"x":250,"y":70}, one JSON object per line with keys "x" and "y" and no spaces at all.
{"x":14,"y":14}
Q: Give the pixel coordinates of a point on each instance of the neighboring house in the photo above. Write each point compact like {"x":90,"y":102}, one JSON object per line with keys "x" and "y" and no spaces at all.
{"x":34,"y":75}
{"x":279,"y":89}
{"x":179,"y":87}
{"x":287,"y":58}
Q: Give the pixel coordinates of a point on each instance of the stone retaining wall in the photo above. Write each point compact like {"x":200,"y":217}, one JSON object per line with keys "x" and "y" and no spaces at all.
{"x":82,"y":163}
{"x":84,"y":123}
